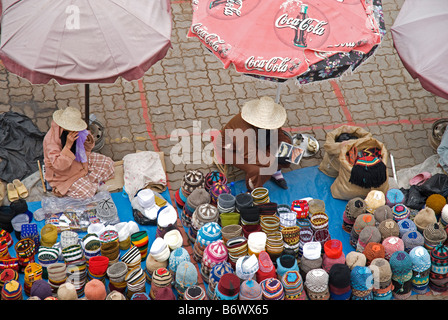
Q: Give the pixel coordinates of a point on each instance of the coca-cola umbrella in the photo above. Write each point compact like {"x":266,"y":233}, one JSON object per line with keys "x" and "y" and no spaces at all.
{"x":283,"y":39}
{"x":421,"y":40}
{"x":83,"y":41}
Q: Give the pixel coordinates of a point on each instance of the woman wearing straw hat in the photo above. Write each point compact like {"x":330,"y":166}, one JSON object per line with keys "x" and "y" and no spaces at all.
{"x":71,"y":168}
{"x":251,"y":139}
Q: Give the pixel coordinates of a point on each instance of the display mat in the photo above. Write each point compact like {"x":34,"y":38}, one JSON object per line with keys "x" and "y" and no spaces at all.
{"x":306,"y":182}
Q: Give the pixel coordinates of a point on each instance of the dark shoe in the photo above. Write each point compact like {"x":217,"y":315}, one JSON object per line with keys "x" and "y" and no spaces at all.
{"x":280,"y":182}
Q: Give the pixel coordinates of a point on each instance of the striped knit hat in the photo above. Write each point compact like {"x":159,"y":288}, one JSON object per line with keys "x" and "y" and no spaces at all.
{"x":439,"y":259}
{"x":161,"y":278}
{"x":400,"y":212}
{"x":213,"y":177}
{"x":293,"y":285}
{"x":12,"y":290}
{"x":272,"y":289}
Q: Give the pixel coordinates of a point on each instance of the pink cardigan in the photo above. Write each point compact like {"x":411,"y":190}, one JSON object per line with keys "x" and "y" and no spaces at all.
{"x":61,"y":168}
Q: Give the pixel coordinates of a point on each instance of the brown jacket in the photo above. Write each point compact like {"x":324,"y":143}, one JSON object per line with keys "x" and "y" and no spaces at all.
{"x":61,"y":168}
{"x":245,"y":156}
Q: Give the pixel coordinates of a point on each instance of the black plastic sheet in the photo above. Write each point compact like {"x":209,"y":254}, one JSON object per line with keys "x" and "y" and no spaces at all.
{"x":20,"y":146}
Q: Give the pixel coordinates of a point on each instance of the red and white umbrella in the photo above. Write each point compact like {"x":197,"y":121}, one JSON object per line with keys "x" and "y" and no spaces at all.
{"x":421,"y":39}
{"x":281,"y":39}
{"x":83,"y":41}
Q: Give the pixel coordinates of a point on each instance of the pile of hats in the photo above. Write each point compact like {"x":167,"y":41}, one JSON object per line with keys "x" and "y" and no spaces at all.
{"x":192,"y":180}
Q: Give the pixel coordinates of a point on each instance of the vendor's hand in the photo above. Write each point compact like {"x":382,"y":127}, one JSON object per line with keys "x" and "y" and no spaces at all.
{"x":71,"y":138}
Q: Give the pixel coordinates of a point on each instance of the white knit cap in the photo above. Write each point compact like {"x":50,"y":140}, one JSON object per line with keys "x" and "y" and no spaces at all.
{"x":312,"y":250}
{"x":316,"y":280}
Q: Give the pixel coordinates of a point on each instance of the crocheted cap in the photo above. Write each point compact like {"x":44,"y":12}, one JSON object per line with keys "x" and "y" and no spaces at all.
{"x":361,"y":278}
{"x":272,"y":289}
{"x":382,"y":213}
{"x":375,"y":199}
{"x":439,"y":255}
{"x":412,"y":239}
{"x":354,"y":259}
{"x":406,"y":225}
{"x":218,"y":270}
{"x":355,"y":207}
{"x":389,"y":228}
{"x":186,"y":274}
{"x":362,"y":221}
{"x":212,"y":177}
{"x":250,"y":290}
{"x":229,"y":285}
{"x":436,"y":202}
{"x":316,"y":280}
{"x":400,"y":212}
{"x":400,"y":263}
{"x":373,"y":250}
{"x":424,"y":217}
{"x":391,"y":245}
{"x":194,"y":292}
{"x":421,"y":259}
{"x":381,"y":270}
{"x":339,"y":275}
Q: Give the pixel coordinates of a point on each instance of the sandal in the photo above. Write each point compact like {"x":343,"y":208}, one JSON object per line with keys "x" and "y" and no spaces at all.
{"x":20,"y":187}
{"x":13,"y":195}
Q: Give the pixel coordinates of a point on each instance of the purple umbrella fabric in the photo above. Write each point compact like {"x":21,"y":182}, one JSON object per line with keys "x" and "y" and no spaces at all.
{"x":421,"y":40}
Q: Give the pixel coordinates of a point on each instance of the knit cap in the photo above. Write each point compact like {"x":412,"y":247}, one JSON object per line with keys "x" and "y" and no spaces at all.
{"x":216,"y":272}
{"x":165,"y":293}
{"x":400,"y":212}
{"x":272,"y":289}
{"x":412,"y":239}
{"x":243,"y":200}
{"x":217,"y":189}
{"x":216,"y":252}
{"x":361,"y":280}
{"x":444,"y":216}
{"x":434,"y":235}
{"x":362,"y":221}
{"x":439,"y":259}
{"x":316,"y":284}
{"x":436,"y":202}
{"x":354,"y":259}
{"x":266,"y":267}
{"x":315,"y":206}
{"x":256,"y":242}
{"x":176,"y":257}
{"x":388,"y":228}
{"x":246,"y":267}
{"x":421,"y":259}
{"x":372,"y":251}
{"x":195,"y":292}
{"x":332,"y":254}
{"x":421,"y":268}
{"x":12,"y":290}
{"x":401,"y":266}
{"x":339,"y":282}
{"x":367,"y":235}
{"x":391,"y":245}
{"x":186,"y":276}
{"x":41,"y":289}
{"x":293,"y":285}
{"x":286,"y":262}
{"x":228,"y":287}
{"x":250,"y":290}
{"x":192,"y":180}
{"x":213,"y":177}
{"x":161,"y":278}
{"x":383,"y":213}
{"x":382,"y":273}
{"x":424,"y":217}
{"x":95,"y":290}
{"x":406,"y":225}
{"x":226,"y":203}
{"x":374,"y":200}
{"x":353,"y":209}
{"x":394,"y":196}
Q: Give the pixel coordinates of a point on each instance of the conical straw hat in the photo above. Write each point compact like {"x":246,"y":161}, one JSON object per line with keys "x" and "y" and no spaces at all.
{"x":264,"y":113}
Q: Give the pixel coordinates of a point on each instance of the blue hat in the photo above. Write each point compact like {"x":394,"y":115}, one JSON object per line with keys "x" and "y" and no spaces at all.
{"x":406,"y":225}
{"x":421,"y":259}
{"x":176,"y":257}
{"x":361,"y":278}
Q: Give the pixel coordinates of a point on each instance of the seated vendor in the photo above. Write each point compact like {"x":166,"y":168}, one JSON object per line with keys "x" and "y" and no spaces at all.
{"x":71,"y":168}
{"x":250,"y":141}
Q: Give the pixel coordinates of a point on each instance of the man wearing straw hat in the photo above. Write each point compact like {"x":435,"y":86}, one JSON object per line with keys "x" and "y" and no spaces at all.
{"x":71,"y":168}
{"x":250,"y":141}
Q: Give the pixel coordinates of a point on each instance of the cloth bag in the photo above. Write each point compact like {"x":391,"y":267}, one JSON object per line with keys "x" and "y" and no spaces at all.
{"x":330,"y":162}
{"x":143,"y":170}
{"x":341,"y":187}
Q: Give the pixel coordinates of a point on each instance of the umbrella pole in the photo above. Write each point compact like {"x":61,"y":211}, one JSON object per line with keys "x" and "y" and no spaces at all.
{"x":277,"y":98}
{"x":87,"y":102}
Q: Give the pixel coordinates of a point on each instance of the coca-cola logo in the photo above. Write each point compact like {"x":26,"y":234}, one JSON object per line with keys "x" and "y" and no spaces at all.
{"x":212,"y":40}
{"x":301,"y":25}
{"x":231,"y":9}
{"x":274,"y":64}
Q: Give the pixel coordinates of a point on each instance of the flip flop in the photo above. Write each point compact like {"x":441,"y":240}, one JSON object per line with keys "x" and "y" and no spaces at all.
{"x":13,"y":195}
{"x":20,"y":187}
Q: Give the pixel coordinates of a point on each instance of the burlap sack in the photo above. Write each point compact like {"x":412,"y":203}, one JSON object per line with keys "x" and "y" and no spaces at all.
{"x":341,"y":187}
{"x":330,"y":162}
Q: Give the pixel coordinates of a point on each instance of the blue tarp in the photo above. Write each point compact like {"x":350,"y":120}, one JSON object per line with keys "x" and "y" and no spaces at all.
{"x":303,"y":183}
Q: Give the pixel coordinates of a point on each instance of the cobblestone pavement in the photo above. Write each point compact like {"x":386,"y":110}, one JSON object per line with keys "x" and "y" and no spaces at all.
{"x":190,"y":84}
